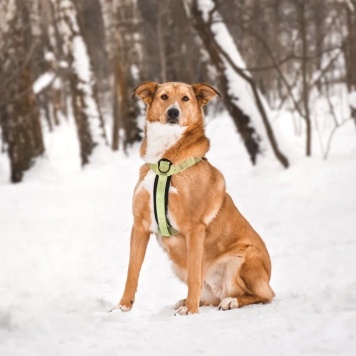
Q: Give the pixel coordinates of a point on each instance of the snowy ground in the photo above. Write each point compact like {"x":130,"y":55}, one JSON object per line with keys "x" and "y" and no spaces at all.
{"x":64,"y":243}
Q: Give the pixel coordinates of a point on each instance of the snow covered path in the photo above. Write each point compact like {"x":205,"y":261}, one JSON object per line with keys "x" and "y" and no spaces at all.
{"x":64,"y":242}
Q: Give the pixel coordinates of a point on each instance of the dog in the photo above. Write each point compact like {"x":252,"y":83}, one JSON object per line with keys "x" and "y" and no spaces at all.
{"x":213,"y":248}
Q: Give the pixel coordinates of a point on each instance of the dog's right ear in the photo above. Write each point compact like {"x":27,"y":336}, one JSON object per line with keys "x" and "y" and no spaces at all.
{"x":145,"y":91}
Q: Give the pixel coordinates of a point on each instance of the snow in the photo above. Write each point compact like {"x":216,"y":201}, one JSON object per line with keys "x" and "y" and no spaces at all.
{"x":43,"y":82}
{"x":50,"y":56}
{"x":352,"y":99}
{"x":135,"y":72}
{"x":81,"y":63}
{"x":65,"y":246}
{"x":349,"y":4}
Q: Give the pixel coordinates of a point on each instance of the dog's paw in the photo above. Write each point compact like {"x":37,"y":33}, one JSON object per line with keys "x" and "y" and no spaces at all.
{"x":228,"y":303}
{"x":123,"y":308}
{"x":182,"y":310}
{"x":179,"y":304}
{"x":185,"y":310}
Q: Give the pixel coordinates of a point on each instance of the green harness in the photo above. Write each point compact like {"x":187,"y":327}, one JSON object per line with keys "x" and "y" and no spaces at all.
{"x":164,"y":170}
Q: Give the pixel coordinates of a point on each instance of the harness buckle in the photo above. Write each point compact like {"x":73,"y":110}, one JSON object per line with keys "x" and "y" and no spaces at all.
{"x":164,"y":165}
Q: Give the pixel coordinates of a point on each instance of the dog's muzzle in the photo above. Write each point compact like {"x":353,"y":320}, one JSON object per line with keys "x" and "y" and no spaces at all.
{"x":173,"y":116}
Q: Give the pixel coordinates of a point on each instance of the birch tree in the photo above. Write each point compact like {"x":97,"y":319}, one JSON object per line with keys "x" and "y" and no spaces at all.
{"x":86,"y":111}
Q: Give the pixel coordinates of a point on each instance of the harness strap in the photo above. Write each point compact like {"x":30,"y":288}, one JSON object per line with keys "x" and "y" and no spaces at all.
{"x":164,"y":167}
{"x":160,"y":199}
{"x":164,"y":170}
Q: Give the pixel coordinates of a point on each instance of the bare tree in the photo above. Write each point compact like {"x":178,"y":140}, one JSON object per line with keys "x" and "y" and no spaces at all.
{"x":91,"y":24}
{"x":121,"y":20}
{"x":349,"y":45}
{"x":85,"y":105}
{"x":299,"y":43}
{"x":222,"y":61}
{"x":19,"y":114}
{"x":301,"y":14}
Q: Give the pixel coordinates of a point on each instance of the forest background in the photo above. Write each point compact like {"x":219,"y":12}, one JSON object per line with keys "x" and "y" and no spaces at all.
{"x":63,"y":58}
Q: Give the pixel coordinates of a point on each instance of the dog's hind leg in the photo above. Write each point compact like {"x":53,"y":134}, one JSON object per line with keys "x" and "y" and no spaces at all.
{"x":256,"y":285}
{"x":256,"y":279}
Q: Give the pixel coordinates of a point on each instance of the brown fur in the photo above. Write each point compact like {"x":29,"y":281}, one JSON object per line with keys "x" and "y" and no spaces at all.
{"x":216,"y":252}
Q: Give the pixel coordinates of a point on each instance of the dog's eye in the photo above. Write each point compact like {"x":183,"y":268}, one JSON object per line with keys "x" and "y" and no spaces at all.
{"x":164,"y":97}
{"x":185,"y":98}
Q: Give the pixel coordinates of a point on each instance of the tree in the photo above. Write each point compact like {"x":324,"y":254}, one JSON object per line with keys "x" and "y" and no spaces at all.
{"x":121,"y":21}
{"x":86,"y":111}
{"x":19,"y":114}
{"x":230,"y":74}
{"x":349,"y":45}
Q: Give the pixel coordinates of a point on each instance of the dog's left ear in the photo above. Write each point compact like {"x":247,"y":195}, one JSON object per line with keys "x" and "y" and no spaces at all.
{"x":204,"y":92}
{"x":145,"y":91}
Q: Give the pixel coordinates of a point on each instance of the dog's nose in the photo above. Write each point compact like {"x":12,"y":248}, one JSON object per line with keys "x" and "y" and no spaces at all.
{"x":172,"y":115}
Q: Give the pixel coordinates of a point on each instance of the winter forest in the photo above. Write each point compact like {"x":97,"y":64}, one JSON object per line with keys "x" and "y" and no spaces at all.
{"x":81,"y":59}
{"x":283,"y":134}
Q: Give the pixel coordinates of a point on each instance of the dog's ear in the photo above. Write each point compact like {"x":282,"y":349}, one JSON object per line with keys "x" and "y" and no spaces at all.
{"x":145,"y":91}
{"x":204,"y":92}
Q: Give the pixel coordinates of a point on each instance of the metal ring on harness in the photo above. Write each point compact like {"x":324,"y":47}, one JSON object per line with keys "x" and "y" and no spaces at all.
{"x":164,"y":160}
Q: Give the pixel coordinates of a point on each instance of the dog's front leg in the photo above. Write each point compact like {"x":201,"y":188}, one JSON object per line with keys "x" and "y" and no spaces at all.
{"x":195,"y":246}
{"x":138,"y":246}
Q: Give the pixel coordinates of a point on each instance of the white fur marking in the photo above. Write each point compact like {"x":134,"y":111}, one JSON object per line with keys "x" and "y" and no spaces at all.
{"x":160,"y":137}
{"x":221,"y":277}
{"x":123,"y":308}
{"x":183,"y":310}
{"x":173,"y":190}
{"x":229,"y":303}
{"x":209,"y":218}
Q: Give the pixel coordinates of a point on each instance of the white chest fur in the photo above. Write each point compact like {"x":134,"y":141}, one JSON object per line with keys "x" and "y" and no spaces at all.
{"x":160,"y":137}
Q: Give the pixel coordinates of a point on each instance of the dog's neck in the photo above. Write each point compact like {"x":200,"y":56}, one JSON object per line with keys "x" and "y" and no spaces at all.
{"x":158,"y":139}
{"x":173,"y":142}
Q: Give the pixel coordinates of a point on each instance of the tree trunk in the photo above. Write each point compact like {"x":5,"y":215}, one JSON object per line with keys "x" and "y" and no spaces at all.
{"x":305,"y":82}
{"x":92,"y":27}
{"x":20,"y":121}
{"x":125,"y":111}
{"x":85,"y":138}
{"x":116,"y":114}
{"x":242,"y":121}
{"x":349,"y":46}
{"x":86,"y":110}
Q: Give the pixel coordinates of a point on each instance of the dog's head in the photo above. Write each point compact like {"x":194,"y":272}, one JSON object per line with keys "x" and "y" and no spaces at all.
{"x":175,"y":103}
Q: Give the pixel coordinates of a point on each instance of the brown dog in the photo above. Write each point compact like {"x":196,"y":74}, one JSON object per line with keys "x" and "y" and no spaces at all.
{"x":216,"y":251}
